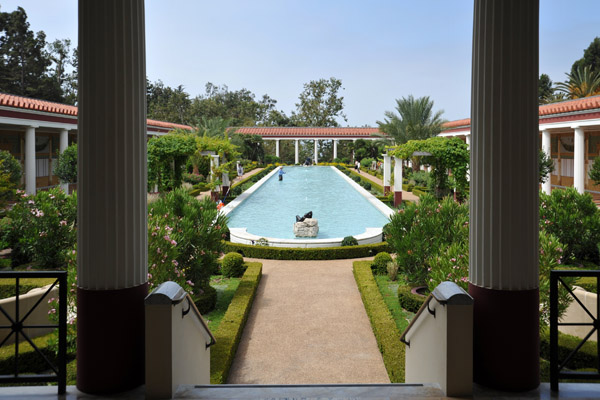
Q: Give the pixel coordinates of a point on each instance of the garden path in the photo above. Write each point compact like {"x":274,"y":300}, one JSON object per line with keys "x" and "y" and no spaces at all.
{"x":307,"y":325}
{"x":405,"y":195}
{"x":234,"y":180}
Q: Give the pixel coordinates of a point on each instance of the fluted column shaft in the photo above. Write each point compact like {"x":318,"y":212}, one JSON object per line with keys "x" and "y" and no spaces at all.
{"x":397,"y":181}
{"x":64,"y":143}
{"x":546,"y":147}
{"x":503,"y":270}
{"x":387,"y":172}
{"x":112,"y":212}
{"x":276,"y":147}
{"x":296,"y":151}
{"x":335,"y":144}
{"x":316,"y":151}
{"x":30,"y":173}
{"x":579,"y":160}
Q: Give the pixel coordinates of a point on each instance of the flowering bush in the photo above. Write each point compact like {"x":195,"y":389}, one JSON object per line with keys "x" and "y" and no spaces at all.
{"x":42,"y":228}
{"x":184,"y":242}
{"x":451,"y":265}
{"x":551,"y":254}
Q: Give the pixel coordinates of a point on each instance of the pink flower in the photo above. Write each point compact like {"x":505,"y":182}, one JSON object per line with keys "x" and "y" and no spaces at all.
{"x":158,"y":250}
{"x":52,"y":311}
{"x":63,"y":223}
{"x":190,"y":283}
{"x":453,"y":259}
{"x":42,"y":234}
{"x":175,"y":263}
{"x":173,"y":242}
{"x":149,"y":276}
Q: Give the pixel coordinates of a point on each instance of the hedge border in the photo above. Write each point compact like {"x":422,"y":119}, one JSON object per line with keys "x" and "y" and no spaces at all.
{"x":586,"y":357}
{"x":383,"y":325}
{"x":246,"y":179}
{"x":296,"y":253}
{"x":229,"y":332}
{"x":408,"y":300}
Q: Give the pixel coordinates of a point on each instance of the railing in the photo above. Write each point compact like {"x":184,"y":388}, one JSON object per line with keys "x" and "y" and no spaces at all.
{"x":424,"y":306}
{"x":17,"y":326}
{"x":557,"y":368}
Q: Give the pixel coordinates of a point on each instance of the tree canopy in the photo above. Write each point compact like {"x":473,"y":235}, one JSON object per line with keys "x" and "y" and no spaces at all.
{"x":66,"y":165}
{"x":591,"y":58}
{"x":320,"y":104}
{"x":583,"y":82}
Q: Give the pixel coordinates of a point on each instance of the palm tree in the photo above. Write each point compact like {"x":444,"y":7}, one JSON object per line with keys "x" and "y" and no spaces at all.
{"x":415,"y":120}
{"x":580,"y":83}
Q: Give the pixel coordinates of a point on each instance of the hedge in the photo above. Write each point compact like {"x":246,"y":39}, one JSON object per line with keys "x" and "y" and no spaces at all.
{"x":229,"y":332}
{"x":319,"y":253}
{"x":588,"y":283}
{"x":408,"y":300}
{"x":586,"y":356}
{"x":7,"y":285}
{"x":385,"y":329}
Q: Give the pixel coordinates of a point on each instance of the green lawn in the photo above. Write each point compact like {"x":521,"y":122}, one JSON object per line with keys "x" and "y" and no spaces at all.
{"x":389,"y":292}
{"x":226,"y":288}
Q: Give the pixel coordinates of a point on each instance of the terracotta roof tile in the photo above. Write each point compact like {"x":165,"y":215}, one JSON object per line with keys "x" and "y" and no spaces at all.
{"x":456,"y":124}
{"x":306,"y":131}
{"x":10,"y":100}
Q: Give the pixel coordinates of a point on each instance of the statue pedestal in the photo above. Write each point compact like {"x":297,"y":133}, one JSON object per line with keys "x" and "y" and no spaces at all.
{"x":307,"y":228}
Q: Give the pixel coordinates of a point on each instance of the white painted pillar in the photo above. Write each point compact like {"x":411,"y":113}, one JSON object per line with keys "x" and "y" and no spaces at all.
{"x":276,"y":147}
{"x":225,"y":180}
{"x":64,"y":143}
{"x":335,"y":143}
{"x":30,"y":170}
{"x":579,"y":160}
{"x":468,"y":141}
{"x":546,"y":147}
{"x":214,"y":163}
{"x":353,"y":151}
{"x":504,"y":221}
{"x":316,"y":151}
{"x":397,"y":181}
{"x":296,"y":152}
{"x":387,"y":172}
{"x":112,"y":263}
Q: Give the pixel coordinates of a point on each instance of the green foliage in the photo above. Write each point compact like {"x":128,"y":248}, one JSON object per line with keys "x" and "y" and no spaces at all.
{"x":320,"y":105}
{"x":184,"y":242}
{"x":10,"y":176}
{"x":582,"y":82}
{"x":392,"y":270}
{"x":380,"y":262}
{"x":251,"y":146}
{"x":42,"y":228}
{"x":384,"y":327}
{"x":446,"y":154}
{"x":419,"y":231}
{"x":546,"y":166}
{"x":230,"y":329}
{"x":366,"y":162}
{"x":415,"y":120}
{"x":450,"y":265}
{"x":545,"y":89}
{"x":164,"y":103}
{"x":233,"y":265}
{"x":167,"y":156}
{"x":367,"y":149}
{"x":594,"y":173}
{"x":586,"y":357}
{"x":408,"y":300}
{"x":271,"y":159}
{"x":349,"y":241}
{"x":8,"y":289}
{"x":574,"y":219}
{"x":193,"y":178}
{"x":551,"y":251}
{"x":294,"y":253}
{"x":591,"y":57}
{"x":71,"y":257}
{"x":420,"y":178}
{"x":66,"y":165}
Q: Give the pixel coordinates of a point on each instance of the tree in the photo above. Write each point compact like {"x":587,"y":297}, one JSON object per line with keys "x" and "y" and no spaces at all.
{"x":545,"y":89}
{"x":546,"y":166}
{"x":582,"y":83}
{"x":168,"y":104}
{"x":59,"y":54}
{"x":415,"y":120}
{"x":213,"y":127}
{"x":251,"y":146}
{"x":10,"y":176}
{"x":167,"y":156}
{"x":594,"y":173}
{"x":591,"y":58}
{"x":25,"y":63}
{"x":66,"y":165}
{"x":320,"y":104}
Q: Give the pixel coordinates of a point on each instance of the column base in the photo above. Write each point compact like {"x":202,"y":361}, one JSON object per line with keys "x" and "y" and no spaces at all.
{"x":110,"y":339}
{"x":387,"y":190}
{"x":224,"y":190}
{"x":397,"y":198}
{"x":506,"y":353}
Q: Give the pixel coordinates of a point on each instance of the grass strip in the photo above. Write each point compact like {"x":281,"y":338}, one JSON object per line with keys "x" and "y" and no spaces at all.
{"x":384,"y":327}
{"x":230,"y":330}
{"x":389,"y":292}
{"x":226,"y":288}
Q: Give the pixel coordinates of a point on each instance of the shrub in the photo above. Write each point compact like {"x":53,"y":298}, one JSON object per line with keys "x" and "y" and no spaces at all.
{"x":551,"y":251}
{"x":349,"y":241}
{"x":450,"y":265}
{"x":366,"y":162}
{"x":575,"y":220}
{"x":356,"y":178}
{"x":586,"y":357}
{"x":232,"y":265}
{"x":367,"y":185}
{"x":271,"y":159}
{"x":230,"y":329}
{"x":66,"y":165}
{"x":392,"y":270}
{"x":295,"y":253}
{"x":380,"y":262}
{"x":10,"y":176}
{"x":193,"y":178}
{"x":184,"y":242}
{"x":421,"y":178}
{"x":408,"y":300}
{"x":42,"y":228}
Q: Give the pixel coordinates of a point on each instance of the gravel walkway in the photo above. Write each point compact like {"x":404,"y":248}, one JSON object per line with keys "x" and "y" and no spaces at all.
{"x":308,"y":325}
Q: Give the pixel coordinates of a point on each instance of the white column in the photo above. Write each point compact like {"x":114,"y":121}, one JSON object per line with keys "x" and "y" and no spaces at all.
{"x":276,"y":147}
{"x":546,"y":147}
{"x":30,"y":172}
{"x":296,"y":151}
{"x":397,"y":181}
{"x":468,"y":141}
{"x":387,"y":172}
{"x":112,"y":262}
{"x":64,"y":143}
{"x":316,"y":151}
{"x":335,"y":143}
{"x":504,"y":221}
{"x":579,"y":160}
{"x":214,"y":163}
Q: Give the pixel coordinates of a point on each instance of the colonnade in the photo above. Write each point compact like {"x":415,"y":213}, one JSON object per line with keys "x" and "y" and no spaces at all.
{"x":316,"y":148}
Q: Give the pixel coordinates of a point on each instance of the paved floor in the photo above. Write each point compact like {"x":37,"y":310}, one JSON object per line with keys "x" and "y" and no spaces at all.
{"x":307,"y":325}
{"x":405,"y":195}
{"x":234,"y":180}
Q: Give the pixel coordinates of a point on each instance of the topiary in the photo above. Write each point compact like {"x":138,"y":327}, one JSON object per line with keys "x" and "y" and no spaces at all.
{"x":367,"y":186}
{"x":349,"y":241}
{"x":380,"y":262}
{"x":232,"y":265}
{"x":206,"y":301}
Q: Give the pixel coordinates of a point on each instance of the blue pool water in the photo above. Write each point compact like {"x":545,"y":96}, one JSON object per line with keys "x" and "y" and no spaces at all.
{"x":341,"y":210}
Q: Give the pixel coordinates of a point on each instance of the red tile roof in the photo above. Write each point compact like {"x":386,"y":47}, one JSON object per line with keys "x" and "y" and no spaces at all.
{"x":10,"y":100}
{"x":588,"y":104}
{"x":307,"y":131}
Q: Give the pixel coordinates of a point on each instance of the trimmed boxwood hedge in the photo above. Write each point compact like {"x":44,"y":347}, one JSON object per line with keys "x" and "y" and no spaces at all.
{"x":230,"y":329}
{"x":385,"y":329}
{"x":408,"y":300}
{"x":320,"y":253}
{"x":587,"y":283}
{"x":7,"y":286}
{"x":586,"y":356}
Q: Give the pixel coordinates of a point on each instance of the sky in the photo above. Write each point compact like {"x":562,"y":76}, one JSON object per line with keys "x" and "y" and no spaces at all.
{"x":382,"y":50}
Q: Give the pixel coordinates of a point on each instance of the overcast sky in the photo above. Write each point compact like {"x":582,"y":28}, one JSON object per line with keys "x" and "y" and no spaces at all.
{"x":381,"y":50}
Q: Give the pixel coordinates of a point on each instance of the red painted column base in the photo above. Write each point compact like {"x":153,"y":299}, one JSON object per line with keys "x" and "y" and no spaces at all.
{"x":506,"y":350}
{"x":110,"y":339}
{"x":397,"y":198}
{"x":224,"y":190}
{"x":387,"y":190}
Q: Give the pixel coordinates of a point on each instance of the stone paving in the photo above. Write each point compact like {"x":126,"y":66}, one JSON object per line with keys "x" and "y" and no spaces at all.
{"x":405,"y":195}
{"x":307,"y":326}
